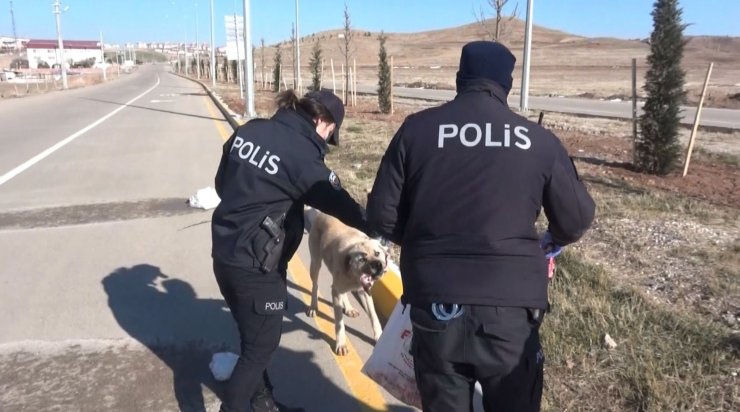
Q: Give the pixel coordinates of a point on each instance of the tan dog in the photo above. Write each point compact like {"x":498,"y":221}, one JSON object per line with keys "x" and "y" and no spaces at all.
{"x":355,"y":262}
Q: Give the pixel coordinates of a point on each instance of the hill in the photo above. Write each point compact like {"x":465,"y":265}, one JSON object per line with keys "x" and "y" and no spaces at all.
{"x":562,"y":63}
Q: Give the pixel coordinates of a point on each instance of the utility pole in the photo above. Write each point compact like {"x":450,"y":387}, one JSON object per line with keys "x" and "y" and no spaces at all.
{"x":239,"y":67}
{"x":213,"y":52}
{"x":185,"y":46}
{"x":249,"y":111}
{"x":524,"y":92}
{"x":15,"y":34}
{"x":57,"y":10}
{"x":197,"y":47}
{"x":102,"y":60}
{"x":298,"y":51}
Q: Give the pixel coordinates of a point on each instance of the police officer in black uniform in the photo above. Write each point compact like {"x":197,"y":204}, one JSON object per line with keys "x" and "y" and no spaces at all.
{"x":269,"y":169}
{"x":459,"y":188}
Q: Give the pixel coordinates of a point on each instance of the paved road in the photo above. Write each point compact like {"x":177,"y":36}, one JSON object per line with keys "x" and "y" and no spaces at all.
{"x":107,"y":300}
{"x":725,"y":118}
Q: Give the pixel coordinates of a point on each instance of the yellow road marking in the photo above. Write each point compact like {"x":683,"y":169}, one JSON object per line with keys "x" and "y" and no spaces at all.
{"x":363,"y":388}
{"x":366,"y":391}
{"x":216,"y":114}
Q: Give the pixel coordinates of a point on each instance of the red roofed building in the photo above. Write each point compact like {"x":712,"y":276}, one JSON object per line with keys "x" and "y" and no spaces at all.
{"x":74,"y":51}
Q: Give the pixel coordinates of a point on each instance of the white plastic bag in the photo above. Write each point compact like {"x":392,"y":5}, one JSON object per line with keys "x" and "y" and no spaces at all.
{"x":391,"y":364}
{"x":222,"y":364}
{"x":205,"y":198}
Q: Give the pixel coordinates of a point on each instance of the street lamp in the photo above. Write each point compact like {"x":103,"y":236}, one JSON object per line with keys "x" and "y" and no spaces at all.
{"x":249,"y":111}
{"x":57,"y":10}
{"x":297,"y":50}
{"x":524,"y":93}
{"x":213,"y":51}
{"x":197,"y":48}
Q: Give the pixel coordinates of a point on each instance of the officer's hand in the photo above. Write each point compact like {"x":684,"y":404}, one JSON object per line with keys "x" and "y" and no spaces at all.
{"x":383,"y":241}
{"x":375,"y":235}
{"x":549,"y":247}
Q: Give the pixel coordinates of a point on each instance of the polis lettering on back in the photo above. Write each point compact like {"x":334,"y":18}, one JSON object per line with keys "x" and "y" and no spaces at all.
{"x":251,"y":155}
{"x":471,"y":134}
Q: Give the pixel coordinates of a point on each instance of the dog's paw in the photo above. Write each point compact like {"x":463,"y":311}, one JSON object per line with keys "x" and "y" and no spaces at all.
{"x":351,"y":312}
{"x":311,"y":312}
{"x":341,"y":350}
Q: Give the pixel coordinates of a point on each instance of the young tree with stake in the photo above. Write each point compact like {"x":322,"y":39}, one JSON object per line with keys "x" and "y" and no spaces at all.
{"x":384,"y":77}
{"x":657,"y":149}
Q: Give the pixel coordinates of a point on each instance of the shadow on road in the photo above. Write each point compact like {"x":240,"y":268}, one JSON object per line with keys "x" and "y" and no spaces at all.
{"x":165,"y":314}
{"x":153,"y":109}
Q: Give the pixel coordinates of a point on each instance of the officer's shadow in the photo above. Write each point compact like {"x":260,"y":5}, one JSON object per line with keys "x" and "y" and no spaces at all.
{"x":165,"y":314}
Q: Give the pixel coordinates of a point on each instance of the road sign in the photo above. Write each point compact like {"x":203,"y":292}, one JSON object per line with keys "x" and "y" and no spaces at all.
{"x":234,"y":37}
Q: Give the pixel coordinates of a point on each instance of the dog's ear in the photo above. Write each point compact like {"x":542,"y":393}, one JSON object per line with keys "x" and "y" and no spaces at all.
{"x":355,"y":259}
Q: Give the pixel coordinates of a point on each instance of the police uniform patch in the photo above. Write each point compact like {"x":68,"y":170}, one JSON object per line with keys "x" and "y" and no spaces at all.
{"x":334,"y":181}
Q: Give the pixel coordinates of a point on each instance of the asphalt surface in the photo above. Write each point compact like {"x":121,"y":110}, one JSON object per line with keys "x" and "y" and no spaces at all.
{"x":724,"y":118}
{"x":107,"y":298}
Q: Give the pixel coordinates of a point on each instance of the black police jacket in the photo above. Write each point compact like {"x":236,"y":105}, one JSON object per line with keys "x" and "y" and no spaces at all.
{"x":269,"y":169}
{"x":460,"y":188}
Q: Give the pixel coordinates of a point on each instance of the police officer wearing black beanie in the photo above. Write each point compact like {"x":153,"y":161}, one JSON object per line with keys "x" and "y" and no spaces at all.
{"x":460,"y":188}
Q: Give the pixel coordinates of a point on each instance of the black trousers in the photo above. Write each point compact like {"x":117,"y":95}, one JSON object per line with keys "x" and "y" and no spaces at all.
{"x":257,"y":302}
{"x":497,"y":346}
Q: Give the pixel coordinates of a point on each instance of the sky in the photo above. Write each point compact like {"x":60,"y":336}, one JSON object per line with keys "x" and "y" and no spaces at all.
{"x":176,"y":20}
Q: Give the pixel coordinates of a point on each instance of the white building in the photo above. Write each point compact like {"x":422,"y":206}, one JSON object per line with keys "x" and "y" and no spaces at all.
{"x":10,"y":43}
{"x":47,"y":51}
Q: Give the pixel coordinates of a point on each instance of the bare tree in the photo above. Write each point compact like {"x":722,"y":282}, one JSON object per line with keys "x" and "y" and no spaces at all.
{"x":293,"y":54}
{"x":315,"y":65}
{"x":500,"y":28}
{"x":262,"y":60}
{"x":347,"y":48}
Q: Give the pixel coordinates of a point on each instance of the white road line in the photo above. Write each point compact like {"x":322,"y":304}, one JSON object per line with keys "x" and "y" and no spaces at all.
{"x":39,"y":157}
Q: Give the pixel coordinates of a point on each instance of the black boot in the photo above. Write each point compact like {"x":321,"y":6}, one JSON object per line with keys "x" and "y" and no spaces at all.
{"x":263,"y":401}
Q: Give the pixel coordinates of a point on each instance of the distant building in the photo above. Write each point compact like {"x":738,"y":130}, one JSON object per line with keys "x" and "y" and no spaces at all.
{"x":8,"y":43}
{"x":47,"y":51}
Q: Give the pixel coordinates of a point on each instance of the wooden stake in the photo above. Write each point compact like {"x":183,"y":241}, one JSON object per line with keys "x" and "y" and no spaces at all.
{"x":634,"y":110}
{"x":321,"y":76}
{"x":391,"y":84}
{"x":344,"y":92}
{"x":354,"y":84}
{"x":333,"y":80}
{"x":696,"y":120}
{"x":349,"y":73}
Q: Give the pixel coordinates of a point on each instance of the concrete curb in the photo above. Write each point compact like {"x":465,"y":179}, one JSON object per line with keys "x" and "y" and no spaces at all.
{"x":387,"y":291}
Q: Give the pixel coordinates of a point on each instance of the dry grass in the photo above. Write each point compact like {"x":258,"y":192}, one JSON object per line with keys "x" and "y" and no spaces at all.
{"x":666,"y":358}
